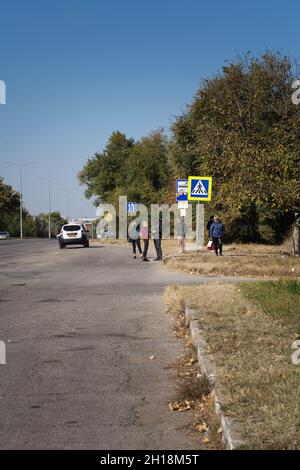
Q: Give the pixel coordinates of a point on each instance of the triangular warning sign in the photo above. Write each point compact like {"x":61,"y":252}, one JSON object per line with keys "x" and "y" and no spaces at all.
{"x":199,"y":189}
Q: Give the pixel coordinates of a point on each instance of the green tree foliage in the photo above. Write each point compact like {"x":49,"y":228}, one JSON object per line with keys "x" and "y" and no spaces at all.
{"x":243,"y":129}
{"x":140,"y":170}
{"x":147,"y":171}
{"x":10,"y":214}
{"x":102,"y":172}
{"x":29,"y":226}
{"x":9,"y":207}
{"x":41,"y":223}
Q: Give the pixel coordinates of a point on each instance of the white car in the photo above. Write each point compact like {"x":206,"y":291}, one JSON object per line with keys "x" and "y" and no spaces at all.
{"x":73,"y":234}
{"x":4,"y":235}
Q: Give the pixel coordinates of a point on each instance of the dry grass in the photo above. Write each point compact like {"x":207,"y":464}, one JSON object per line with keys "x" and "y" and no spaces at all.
{"x":252,"y":353}
{"x":194,"y":395}
{"x":239,"y":260}
{"x":100,"y":241}
{"x":193,"y":389}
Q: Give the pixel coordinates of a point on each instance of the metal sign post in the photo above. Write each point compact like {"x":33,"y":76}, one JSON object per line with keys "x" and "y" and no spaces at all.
{"x":199,"y":189}
{"x":199,"y":225}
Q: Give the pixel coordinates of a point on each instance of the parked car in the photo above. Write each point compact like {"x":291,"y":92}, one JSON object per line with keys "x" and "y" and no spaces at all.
{"x":4,"y":235}
{"x":73,"y":234}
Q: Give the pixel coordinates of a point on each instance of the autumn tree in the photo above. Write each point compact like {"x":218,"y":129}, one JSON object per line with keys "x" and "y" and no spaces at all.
{"x":243,"y":129}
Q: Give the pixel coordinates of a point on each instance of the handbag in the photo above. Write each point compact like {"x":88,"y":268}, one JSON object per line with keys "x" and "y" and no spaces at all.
{"x":210,"y":245}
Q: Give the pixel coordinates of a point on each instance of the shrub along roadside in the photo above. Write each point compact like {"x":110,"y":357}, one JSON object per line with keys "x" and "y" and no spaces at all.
{"x":252,"y":351}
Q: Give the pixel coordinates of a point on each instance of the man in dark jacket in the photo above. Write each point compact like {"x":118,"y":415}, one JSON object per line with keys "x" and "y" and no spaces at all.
{"x":216,"y":233}
{"x":156,"y":234}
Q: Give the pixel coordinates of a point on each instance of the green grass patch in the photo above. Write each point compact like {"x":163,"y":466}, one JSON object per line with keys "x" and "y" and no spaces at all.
{"x":249,"y":329}
{"x":280,"y":299}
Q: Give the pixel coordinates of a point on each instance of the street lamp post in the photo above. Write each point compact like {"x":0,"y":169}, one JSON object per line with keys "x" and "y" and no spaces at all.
{"x":20,"y":165}
{"x":49,"y":181}
{"x":68,"y":190}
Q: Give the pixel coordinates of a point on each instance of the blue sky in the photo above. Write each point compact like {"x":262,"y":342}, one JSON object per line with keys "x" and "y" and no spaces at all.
{"x":76,"y":70}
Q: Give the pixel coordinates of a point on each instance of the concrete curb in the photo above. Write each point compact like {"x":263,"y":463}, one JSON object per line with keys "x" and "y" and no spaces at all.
{"x":233,"y":436}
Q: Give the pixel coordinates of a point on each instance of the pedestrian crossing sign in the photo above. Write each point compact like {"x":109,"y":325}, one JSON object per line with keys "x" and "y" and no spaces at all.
{"x":199,"y":188}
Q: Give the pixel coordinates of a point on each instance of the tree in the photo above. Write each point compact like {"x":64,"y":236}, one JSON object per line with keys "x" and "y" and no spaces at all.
{"x":296,"y":235}
{"x":102,"y":172}
{"x":140,"y":170}
{"x":146,"y":172}
{"x":9,"y":207}
{"x":243,"y":129}
{"x":42,"y":220}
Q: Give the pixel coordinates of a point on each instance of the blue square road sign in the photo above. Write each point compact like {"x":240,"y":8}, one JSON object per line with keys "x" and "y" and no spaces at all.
{"x":199,"y":188}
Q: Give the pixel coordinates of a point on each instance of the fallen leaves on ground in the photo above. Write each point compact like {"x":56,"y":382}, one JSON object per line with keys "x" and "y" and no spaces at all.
{"x":184,"y":405}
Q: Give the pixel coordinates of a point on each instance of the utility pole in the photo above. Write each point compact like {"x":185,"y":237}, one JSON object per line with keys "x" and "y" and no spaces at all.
{"x":68,"y":190}
{"x":20,"y":165}
{"x":49,"y":181}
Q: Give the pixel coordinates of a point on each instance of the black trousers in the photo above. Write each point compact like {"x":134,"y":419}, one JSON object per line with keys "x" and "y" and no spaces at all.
{"x":145,"y":248}
{"x":218,"y":245}
{"x":136,"y":243}
{"x":157,"y":245}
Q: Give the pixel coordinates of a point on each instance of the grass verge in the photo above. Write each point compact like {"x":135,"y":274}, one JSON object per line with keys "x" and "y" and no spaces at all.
{"x":280,"y":299}
{"x":250,"y":329}
{"x":193,"y":389}
{"x":244,"y":260}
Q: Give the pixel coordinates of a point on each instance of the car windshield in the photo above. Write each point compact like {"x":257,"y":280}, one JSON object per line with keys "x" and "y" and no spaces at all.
{"x":3,"y":233}
{"x":71,"y":228}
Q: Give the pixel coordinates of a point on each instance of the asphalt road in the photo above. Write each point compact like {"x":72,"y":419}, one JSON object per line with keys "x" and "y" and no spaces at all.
{"x":80,"y":326}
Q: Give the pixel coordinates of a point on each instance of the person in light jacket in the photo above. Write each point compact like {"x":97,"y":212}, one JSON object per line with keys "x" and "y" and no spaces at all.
{"x":134,"y":238}
{"x":216,"y":234}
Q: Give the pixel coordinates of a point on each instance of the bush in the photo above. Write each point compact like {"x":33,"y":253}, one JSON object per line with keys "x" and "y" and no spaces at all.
{"x":267,"y":234}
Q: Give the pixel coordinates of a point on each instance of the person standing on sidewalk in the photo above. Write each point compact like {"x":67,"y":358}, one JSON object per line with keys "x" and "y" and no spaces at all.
{"x":134,"y":237}
{"x":145,"y":238}
{"x":157,"y":236}
{"x":216,"y":233}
